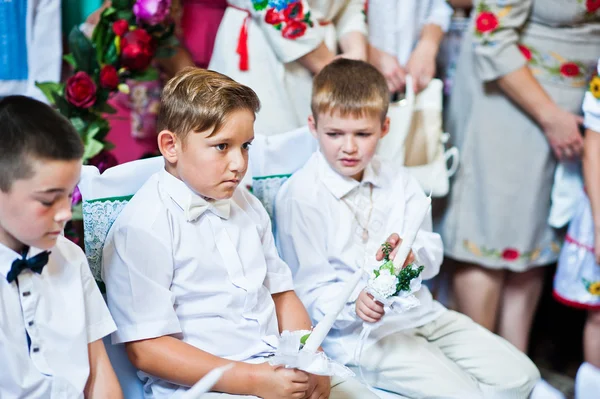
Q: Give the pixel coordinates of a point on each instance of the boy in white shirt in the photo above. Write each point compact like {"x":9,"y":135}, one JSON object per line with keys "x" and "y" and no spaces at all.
{"x":333,"y":214}
{"x":52,"y":315}
{"x":193,"y":277}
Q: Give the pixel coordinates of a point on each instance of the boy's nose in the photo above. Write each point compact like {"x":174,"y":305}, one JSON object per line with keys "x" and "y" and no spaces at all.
{"x":64,"y":214}
{"x":349,"y":146}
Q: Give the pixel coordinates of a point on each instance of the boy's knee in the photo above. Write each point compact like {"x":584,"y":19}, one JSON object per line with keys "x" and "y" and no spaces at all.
{"x":516,"y":380}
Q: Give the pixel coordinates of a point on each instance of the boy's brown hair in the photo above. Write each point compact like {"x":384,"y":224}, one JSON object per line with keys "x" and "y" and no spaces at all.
{"x":197,"y":99}
{"x":350,"y":87}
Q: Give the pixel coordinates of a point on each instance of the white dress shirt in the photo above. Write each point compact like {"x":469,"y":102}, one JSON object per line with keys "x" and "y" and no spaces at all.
{"x":61,"y":310}
{"x":320,"y":218}
{"x":395,"y":25}
{"x":202,"y":272}
{"x":39,"y":36}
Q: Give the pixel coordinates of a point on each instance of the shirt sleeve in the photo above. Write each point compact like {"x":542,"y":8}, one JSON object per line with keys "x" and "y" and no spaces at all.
{"x":302,"y":239}
{"x":289,"y":28}
{"x":279,"y":276}
{"x":99,"y":322}
{"x":439,"y":14}
{"x":138,"y":271}
{"x":351,"y":18}
{"x":591,"y":104}
{"x":496,"y":36}
{"x":45,"y":49}
{"x":427,"y":248}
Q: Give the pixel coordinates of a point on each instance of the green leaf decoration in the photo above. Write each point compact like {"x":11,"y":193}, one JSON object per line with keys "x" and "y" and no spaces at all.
{"x":79,"y":125}
{"x":260,"y":5}
{"x":92,"y":148}
{"x":304,"y":339}
{"x":83,"y":52}
{"x":111,"y":55}
{"x":64,"y":107}
{"x":406,"y":276}
{"x":386,"y":248}
{"x":125,"y":14}
{"x":108,"y":12}
{"x":49,"y":88}
{"x":122,"y":4}
{"x":148,"y":74}
{"x":106,"y":108}
{"x":70,"y":60}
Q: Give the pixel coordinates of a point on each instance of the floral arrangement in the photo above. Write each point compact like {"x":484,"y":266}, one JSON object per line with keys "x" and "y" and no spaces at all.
{"x":388,"y":281}
{"x":130,"y":34}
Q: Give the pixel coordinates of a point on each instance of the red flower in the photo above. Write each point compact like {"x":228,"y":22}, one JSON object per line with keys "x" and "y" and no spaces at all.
{"x":486,"y":22}
{"x":137,"y":49}
{"x":109,"y":78}
{"x":510,"y":254}
{"x":80,"y":90}
{"x":525,"y":51}
{"x":273,"y":17}
{"x":103,"y":160}
{"x":294,"y":11}
{"x":569,"y":69}
{"x":293,"y":29}
{"x":592,"y":5}
{"x":120,"y":27}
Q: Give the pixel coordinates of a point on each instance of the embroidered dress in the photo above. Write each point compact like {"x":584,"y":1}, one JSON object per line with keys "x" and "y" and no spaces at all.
{"x":259,"y":42}
{"x":499,"y":204}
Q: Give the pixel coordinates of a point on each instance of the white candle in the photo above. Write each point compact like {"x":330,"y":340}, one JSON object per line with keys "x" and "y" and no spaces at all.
{"x":318,"y":334}
{"x":206,"y":383}
{"x":410,"y":234}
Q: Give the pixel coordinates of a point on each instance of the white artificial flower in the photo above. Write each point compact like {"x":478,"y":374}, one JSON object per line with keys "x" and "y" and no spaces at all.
{"x":385,"y":284}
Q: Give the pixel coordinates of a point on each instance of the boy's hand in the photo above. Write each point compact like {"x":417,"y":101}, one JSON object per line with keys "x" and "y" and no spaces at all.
{"x":278,"y":382}
{"x":394,"y":240}
{"x":319,"y":387}
{"x":369,"y":309}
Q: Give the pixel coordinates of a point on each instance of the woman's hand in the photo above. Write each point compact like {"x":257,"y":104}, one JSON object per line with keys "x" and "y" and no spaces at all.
{"x":421,"y":65}
{"x":562,"y":131}
{"x":389,"y":67}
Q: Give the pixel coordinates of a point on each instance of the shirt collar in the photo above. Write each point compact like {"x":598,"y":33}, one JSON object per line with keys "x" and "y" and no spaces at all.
{"x":184,"y":197}
{"x":8,"y":256}
{"x":341,"y":185}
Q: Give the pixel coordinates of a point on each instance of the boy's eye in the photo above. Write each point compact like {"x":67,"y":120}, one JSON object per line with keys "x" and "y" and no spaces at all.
{"x":363,"y":134}
{"x":246,"y":146}
{"x":46,"y":203}
{"x":221,"y":147}
{"x":333,"y":134}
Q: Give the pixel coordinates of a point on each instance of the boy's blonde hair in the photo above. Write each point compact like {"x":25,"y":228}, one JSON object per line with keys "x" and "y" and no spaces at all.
{"x":197,"y":99}
{"x":350,"y":87}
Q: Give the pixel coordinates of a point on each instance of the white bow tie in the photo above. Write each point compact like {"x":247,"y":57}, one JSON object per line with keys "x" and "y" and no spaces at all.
{"x":199,"y":205}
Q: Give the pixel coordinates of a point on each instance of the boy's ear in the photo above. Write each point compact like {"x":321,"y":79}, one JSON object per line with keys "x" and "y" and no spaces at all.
{"x":312,"y":125}
{"x":385,"y":127}
{"x":167,"y":144}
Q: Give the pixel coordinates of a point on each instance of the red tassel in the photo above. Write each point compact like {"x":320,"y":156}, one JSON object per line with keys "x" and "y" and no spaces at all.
{"x":242,"y":47}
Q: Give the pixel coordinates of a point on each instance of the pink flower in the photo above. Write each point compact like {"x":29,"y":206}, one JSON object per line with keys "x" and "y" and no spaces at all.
{"x":151,"y":12}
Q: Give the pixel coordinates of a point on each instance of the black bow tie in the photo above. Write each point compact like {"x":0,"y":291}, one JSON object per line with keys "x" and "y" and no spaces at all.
{"x":35,"y":264}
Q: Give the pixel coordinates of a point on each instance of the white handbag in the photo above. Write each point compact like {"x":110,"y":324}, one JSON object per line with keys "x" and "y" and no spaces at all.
{"x":416,"y":139}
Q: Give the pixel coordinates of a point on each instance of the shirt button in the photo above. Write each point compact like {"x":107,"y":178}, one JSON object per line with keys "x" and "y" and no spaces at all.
{"x":36,"y":350}
{"x":30,"y":323}
{"x":26,"y":293}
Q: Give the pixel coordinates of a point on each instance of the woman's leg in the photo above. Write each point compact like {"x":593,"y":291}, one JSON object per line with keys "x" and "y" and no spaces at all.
{"x":520,"y":299}
{"x":591,"y":338}
{"x":477,"y":292}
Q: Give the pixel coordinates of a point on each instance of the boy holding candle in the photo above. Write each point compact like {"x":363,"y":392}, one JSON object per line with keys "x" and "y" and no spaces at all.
{"x":333,"y":214}
{"x":192,"y":273}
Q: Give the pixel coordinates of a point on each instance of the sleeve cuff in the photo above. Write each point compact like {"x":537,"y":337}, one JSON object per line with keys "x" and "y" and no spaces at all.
{"x":494,"y":63}
{"x":100,"y":330}
{"x":279,"y":282}
{"x":136,"y":332}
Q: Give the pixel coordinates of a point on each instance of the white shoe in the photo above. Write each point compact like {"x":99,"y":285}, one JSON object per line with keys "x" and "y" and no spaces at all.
{"x":543,"y":390}
{"x":587,"y":382}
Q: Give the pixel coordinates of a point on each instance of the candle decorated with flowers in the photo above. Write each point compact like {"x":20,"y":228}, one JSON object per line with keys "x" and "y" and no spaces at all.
{"x":318,"y":334}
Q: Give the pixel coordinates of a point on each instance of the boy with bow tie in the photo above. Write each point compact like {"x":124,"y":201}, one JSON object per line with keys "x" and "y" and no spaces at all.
{"x":193,"y":277}
{"x":52,"y":315}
